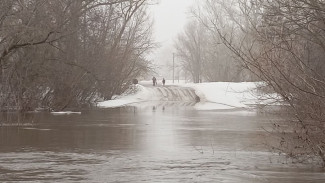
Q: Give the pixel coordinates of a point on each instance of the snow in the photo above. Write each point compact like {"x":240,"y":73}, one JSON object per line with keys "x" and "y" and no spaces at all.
{"x":223,"y":95}
{"x":230,"y":95}
{"x":65,"y":113}
{"x":137,"y":93}
{"x":213,"y":95}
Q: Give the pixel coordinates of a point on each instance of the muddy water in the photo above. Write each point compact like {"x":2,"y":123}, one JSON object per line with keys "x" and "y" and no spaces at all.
{"x":151,"y":143}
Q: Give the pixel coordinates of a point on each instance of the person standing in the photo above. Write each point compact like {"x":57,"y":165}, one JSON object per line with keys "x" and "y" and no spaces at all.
{"x":154,"y":81}
{"x":163,"y":81}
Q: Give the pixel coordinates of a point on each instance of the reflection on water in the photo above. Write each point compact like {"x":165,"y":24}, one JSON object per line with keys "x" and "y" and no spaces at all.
{"x":155,"y":142}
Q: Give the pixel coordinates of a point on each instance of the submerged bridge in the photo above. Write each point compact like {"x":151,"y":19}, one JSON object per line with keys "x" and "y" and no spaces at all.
{"x":173,"y":93}
{"x":162,"y":93}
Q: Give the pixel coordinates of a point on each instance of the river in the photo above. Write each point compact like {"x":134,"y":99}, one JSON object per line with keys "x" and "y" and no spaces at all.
{"x":161,"y":142}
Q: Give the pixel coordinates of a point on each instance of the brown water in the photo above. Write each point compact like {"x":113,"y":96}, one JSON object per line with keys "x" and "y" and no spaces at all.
{"x":151,"y":143}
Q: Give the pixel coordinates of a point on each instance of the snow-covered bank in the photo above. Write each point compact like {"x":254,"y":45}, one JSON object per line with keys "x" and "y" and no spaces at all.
{"x":136,"y":93}
{"x":214,"y":95}
{"x":224,"y":95}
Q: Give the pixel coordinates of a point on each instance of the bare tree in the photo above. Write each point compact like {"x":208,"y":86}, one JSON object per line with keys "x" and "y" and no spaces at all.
{"x":61,"y":54}
{"x":190,"y":47}
{"x":204,"y":55}
{"x":281,"y":42}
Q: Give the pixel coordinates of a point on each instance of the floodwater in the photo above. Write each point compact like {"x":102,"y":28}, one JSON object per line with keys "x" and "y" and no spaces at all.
{"x":146,"y":143}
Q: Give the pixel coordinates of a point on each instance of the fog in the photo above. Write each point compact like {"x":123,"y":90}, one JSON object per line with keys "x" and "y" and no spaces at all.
{"x":169,"y":16}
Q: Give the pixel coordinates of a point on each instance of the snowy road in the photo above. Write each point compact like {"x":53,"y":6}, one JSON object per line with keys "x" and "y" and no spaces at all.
{"x":211,"y":96}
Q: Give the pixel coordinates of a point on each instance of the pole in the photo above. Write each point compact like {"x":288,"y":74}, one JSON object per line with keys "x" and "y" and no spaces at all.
{"x":173,"y":66}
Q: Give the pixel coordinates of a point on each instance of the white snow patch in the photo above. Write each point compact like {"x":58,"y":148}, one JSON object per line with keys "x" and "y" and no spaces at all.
{"x":136,"y":93}
{"x":65,"y":113}
{"x":223,"y":95}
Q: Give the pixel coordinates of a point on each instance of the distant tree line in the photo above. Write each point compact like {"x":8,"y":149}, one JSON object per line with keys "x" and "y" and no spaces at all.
{"x":203,"y":54}
{"x":67,"y":53}
{"x":283,"y":43}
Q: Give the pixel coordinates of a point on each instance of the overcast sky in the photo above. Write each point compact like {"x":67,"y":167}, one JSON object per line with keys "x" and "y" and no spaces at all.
{"x":170,"y":16}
